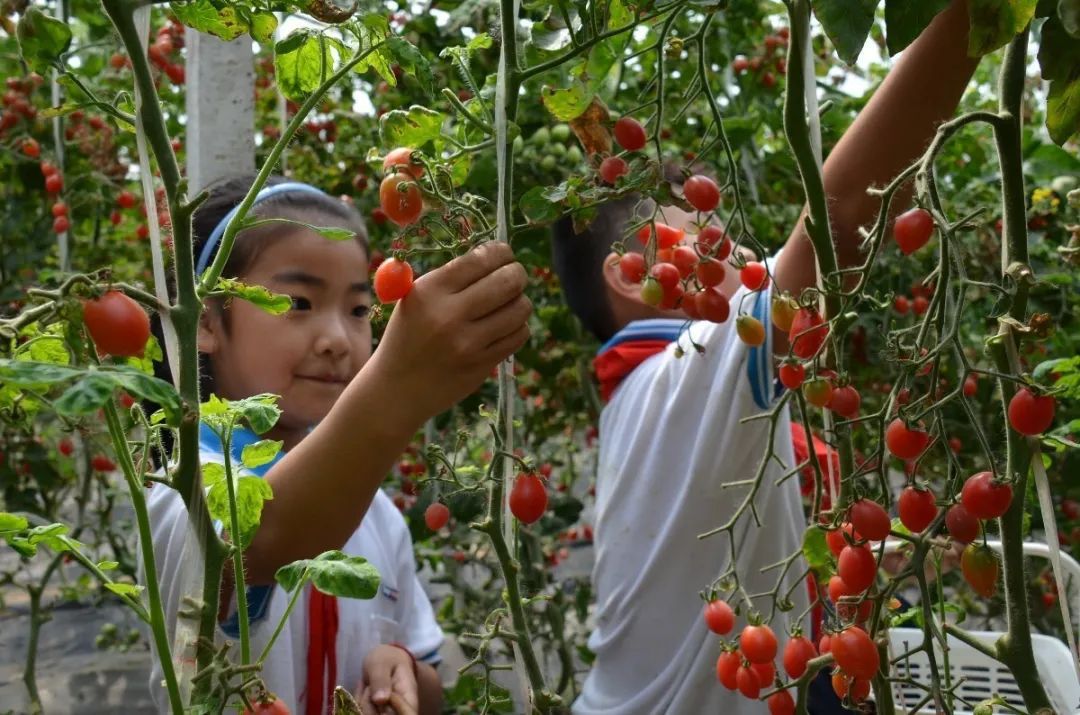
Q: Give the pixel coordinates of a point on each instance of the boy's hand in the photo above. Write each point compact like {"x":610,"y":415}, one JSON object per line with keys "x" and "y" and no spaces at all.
{"x":389,"y":685}
{"x":458,"y":322}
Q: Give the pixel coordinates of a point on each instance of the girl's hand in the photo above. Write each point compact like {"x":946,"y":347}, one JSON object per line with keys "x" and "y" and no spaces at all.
{"x":389,"y":685}
{"x":455,"y":325}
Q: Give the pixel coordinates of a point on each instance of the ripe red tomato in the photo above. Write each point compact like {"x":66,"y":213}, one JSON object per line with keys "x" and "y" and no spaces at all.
{"x":845,"y":402}
{"x":963,"y":526}
{"x":920,"y":305}
{"x":719,"y":617}
{"x":710,"y":272}
{"x":758,"y":644}
{"x":402,"y":158}
{"x":666,"y":274}
{"x":31,"y":148}
{"x":714,"y":237}
{"x":913,"y":229}
{"x":630,"y":134}
{"x":712,"y":305}
{"x":60,"y":224}
{"x":126,"y":400}
{"x":750,"y":330}
{"x":101,"y":463}
{"x":685,"y":259}
{"x":904,"y":442}
{"x":176,"y":73}
{"x":528,"y":498}
{"x":59,"y":209}
{"x":66,"y":447}
{"x":754,"y":275}
{"x":740,"y":65}
{"x":971,"y":386}
{"x":825,"y":644}
{"x":268,"y":706}
{"x":400,"y":198}
{"x":901,"y":304}
{"x":765,"y":672}
{"x":673,"y":297}
{"x":781,"y":703}
{"x":688,"y":303}
{"x":870,"y":519}
{"x":1031,"y":414}
{"x":980,"y":568}
{"x":792,"y":375}
{"x":727,"y":669}
{"x":612,"y":168}
{"x":843,"y":685}
{"x":1071,"y":509}
{"x":818,"y":391}
{"x":117,"y":61}
{"x":748,"y":683}
{"x":836,"y":540}
{"x":666,"y":236}
{"x":702,"y":193}
{"x":985,"y":499}
{"x":855,"y":653}
{"x":48,"y":168}
{"x":54,"y":183}
{"x":797,"y":651}
{"x":632,"y":266}
{"x":125,"y":199}
{"x":436,"y":516}
{"x":857,"y":567}
{"x":117,"y":324}
{"x":808,"y":333}
{"x":393,"y":280}
{"x":917,"y":508}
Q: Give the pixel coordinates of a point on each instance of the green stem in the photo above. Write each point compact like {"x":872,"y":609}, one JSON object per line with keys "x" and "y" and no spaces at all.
{"x":284,"y":618}
{"x":237,"y":555}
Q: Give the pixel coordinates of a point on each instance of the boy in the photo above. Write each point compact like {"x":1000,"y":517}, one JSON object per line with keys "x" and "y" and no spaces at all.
{"x":670,"y":436}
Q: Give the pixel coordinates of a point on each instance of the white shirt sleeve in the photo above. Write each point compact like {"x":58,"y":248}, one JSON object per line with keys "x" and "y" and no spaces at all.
{"x":420,"y":632}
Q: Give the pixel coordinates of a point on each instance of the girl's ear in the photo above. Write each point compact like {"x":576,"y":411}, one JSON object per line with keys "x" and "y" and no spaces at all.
{"x":210,"y":329}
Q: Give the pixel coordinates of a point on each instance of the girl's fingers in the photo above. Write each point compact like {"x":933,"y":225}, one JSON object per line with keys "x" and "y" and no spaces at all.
{"x":508,"y":319}
{"x":463,"y":271}
{"x":493,"y":291}
{"x":506,"y":346}
{"x":401,"y":706}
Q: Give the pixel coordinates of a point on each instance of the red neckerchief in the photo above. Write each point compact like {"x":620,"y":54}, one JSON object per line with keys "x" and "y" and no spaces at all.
{"x":618,"y":361}
{"x":322,"y":652}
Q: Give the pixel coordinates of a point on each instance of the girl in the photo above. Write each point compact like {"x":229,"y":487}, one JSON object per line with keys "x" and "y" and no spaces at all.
{"x":346,"y":416}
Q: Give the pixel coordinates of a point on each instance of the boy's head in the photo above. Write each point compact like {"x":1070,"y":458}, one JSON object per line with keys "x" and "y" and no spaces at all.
{"x":588,"y":269}
{"x":309,"y":354}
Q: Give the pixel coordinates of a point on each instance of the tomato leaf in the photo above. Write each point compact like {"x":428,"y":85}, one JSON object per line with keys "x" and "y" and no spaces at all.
{"x":273,"y":303}
{"x":42,"y":39}
{"x":905,"y":20}
{"x":1069,"y":14}
{"x":371,"y":30}
{"x":303,"y":61}
{"x":225,"y":23}
{"x":24,"y":373}
{"x":412,"y":61}
{"x":11,"y":522}
{"x":538,"y":207}
{"x":260,"y":453}
{"x":251,"y":492}
{"x":1059,"y":60}
{"x":414,"y":127}
{"x":815,"y":549}
{"x":995,"y":22}
{"x":124,"y":589}
{"x":847,"y":24}
{"x":263,"y":25}
{"x":333,"y":573}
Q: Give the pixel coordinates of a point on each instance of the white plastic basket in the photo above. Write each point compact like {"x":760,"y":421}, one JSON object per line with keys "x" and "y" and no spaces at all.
{"x":983,"y":676}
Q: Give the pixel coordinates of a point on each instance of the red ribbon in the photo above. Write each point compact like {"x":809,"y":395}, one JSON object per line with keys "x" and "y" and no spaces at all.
{"x":322,"y":652}
{"x":618,"y":361}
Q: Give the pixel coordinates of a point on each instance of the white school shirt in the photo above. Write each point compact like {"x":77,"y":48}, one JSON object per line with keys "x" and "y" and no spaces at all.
{"x":401,"y":611}
{"x":669,"y":439}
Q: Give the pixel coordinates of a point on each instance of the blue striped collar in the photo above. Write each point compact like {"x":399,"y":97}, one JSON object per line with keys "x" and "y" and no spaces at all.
{"x":241,"y":437}
{"x":648,"y":329}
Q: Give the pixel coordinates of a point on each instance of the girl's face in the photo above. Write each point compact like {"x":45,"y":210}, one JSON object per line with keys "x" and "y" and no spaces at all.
{"x":307,"y":355}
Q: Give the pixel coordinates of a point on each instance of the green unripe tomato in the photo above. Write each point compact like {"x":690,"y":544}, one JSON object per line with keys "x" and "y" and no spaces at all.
{"x":541,"y":137}
{"x":651,"y":292}
{"x":519,"y":144}
{"x":548,"y":163}
{"x":556,"y":149}
{"x":560,"y":132}
{"x":573,"y":155}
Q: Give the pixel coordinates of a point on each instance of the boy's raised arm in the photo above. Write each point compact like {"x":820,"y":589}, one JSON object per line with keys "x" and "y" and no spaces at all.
{"x":897,"y":124}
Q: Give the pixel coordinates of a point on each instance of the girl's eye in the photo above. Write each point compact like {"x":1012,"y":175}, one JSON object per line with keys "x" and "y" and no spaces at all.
{"x":361,"y":311}
{"x":299,"y":303}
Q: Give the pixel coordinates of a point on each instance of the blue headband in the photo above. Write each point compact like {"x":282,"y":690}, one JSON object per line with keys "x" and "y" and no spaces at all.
{"x":267,"y":192}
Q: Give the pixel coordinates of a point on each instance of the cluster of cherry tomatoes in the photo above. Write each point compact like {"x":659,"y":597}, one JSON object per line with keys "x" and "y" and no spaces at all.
{"x":760,"y":63}
{"x":16,"y":101}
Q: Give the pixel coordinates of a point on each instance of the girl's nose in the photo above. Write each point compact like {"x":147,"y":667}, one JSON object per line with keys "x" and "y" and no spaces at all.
{"x":333,"y":337}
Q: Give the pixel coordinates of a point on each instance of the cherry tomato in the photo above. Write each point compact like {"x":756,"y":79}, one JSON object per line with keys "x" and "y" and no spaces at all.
{"x":719,"y":617}
{"x":268,"y":706}
{"x":836,"y":540}
{"x":797,"y":651}
{"x":758,"y":644}
{"x":963,"y":526}
{"x":31,"y":148}
{"x":818,"y":391}
{"x":66,"y":447}
{"x":436,"y":516}
{"x":905,"y":442}
{"x":710,"y":272}
{"x":612,"y":168}
{"x":765,"y":672}
{"x":781,"y":703}
{"x":685,"y":259}
{"x":713,"y":305}
{"x":754,"y":275}
{"x":748,"y":682}
{"x":971,"y":386}
{"x":870,"y":519}
{"x":630,"y":134}
{"x":843,"y":685}
{"x":901,"y":304}
{"x":393,"y":280}
{"x":845,"y":401}
{"x":792,"y":375}
{"x":117,"y":324}
{"x":689,"y":305}
{"x":632,"y":266}
{"x":783,"y":312}
{"x":808,"y":333}
{"x":528,"y":498}
{"x":702,"y":193}
{"x":727,"y":669}
{"x":1031,"y":414}
{"x":920,"y":305}
{"x":101,"y":463}
{"x":855,"y":653}
{"x":985,"y":499}
{"x":714,"y":237}
{"x":913,"y":229}
{"x":857,"y":567}
{"x":666,"y":236}
{"x":917,"y":508}
{"x":739,"y":65}
{"x":652,"y":293}
{"x":54,"y":183}
{"x":666,"y":274}
{"x":400,"y":198}
{"x":750,"y":330}
{"x":402,"y":159}
{"x":125,"y":199}
{"x":48,"y":168}
{"x":980,"y":568}
{"x":825,"y":644}
{"x":60,"y":224}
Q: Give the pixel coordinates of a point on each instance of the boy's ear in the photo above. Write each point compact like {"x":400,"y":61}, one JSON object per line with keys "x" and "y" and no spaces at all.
{"x":210,"y":330}
{"x":619,"y":289}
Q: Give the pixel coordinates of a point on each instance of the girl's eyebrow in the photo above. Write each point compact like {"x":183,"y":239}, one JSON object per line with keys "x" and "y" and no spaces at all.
{"x":301,"y":277}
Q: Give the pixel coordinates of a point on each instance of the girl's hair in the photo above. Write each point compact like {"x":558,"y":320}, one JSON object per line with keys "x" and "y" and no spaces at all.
{"x":308,"y":207}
